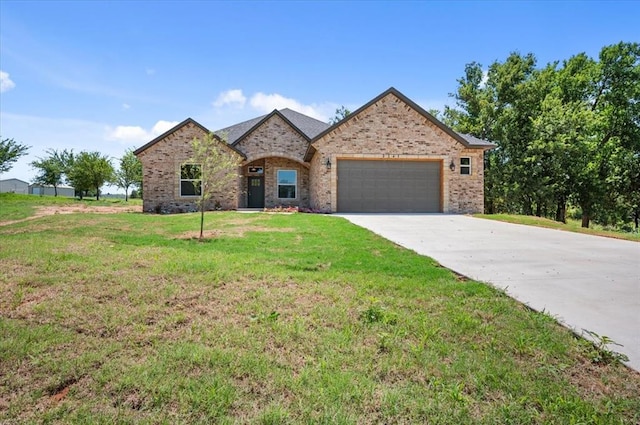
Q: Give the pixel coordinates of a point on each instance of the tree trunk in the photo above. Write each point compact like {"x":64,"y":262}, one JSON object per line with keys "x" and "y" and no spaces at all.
{"x":202,"y":221}
{"x":538,"y":210}
{"x":636,"y":218}
{"x":97,"y":193}
{"x":490,"y":208}
{"x":126,"y":194}
{"x":585,"y":219}
{"x":561,"y":211}
{"x":55,"y":190}
{"x":527,"y":208}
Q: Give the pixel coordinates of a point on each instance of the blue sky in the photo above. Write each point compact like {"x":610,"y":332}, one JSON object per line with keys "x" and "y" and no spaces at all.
{"x":109,"y":76}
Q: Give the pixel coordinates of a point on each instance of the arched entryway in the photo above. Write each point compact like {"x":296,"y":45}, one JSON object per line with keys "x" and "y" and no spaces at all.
{"x":275,"y":181}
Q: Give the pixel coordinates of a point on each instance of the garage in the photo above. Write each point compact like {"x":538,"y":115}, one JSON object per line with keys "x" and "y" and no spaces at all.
{"x":387,"y":186}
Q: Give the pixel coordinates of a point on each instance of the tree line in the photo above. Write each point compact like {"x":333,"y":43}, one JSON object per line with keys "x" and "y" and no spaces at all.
{"x":567,"y":134}
{"x":85,"y":171}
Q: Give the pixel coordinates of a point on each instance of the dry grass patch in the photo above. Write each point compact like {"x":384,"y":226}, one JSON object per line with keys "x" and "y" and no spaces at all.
{"x":44,"y":211}
{"x":237,"y":231}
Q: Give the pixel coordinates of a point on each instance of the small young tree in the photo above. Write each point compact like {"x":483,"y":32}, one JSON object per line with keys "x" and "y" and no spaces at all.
{"x":129,"y":173}
{"x":215,"y":167}
{"x":10,"y":152}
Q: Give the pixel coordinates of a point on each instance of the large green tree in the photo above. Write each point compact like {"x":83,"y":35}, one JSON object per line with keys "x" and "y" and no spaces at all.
{"x":90,"y":171}
{"x":10,"y":152}
{"x":566,"y":133}
{"x":129,"y":174}
{"x":49,"y":173}
{"x":53,"y":169}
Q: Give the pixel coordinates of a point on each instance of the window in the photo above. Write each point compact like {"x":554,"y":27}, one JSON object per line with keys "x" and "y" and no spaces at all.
{"x":287,"y":183}
{"x":465,"y":165}
{"x":190,"y":180}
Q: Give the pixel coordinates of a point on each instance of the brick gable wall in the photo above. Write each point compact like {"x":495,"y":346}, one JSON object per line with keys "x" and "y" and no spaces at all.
{"x":274,"y":137}
{"x":161,"y":175}
{"x":391,"y":129}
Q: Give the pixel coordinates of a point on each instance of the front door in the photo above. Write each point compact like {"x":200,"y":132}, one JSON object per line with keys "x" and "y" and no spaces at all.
{"x":255,"y":192}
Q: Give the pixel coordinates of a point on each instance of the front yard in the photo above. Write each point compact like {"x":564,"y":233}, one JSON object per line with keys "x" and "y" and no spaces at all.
{"x":276,"y":318}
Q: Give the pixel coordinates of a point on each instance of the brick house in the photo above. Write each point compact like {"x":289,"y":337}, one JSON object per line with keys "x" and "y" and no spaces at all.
{"x":390,"y":155}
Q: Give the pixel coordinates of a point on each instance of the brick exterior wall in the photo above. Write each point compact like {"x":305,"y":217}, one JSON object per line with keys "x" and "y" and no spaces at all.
{"x":271,"y":166}
{"x":391,"y":129}
{"x":388,"y":129}
{"x":161,"y":175}
{"x":275,"y":145}
{"x":274,"y":138}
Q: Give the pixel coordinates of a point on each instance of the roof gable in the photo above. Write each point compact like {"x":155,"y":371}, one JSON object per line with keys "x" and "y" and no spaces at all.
{"x":466,"y":140}
{"x":177,"y":128}
{"x":14,"y":180}
{"x":307,"y":126}
{"x":266,"y":118}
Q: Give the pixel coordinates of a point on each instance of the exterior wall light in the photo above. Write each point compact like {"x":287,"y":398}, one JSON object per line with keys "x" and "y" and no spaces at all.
{"x":452,"y":166}
{"x":328,"y":163}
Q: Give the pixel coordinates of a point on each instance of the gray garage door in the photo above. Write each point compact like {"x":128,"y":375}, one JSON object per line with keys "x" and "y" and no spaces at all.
{"x":389,"y":186}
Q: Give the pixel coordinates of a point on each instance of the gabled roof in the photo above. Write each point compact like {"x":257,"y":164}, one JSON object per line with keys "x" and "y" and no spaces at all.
{"x":474,"y":141}
{"x":178,"y":127}
{"x":307,"y":126}
{"x":13,"y":180}
{"x":467,"y":140}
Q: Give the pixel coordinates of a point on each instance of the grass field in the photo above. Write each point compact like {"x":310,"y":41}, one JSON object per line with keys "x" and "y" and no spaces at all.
{"x":127,"y":318}
{"x":17,"y":207}
{"x":570,"y":225}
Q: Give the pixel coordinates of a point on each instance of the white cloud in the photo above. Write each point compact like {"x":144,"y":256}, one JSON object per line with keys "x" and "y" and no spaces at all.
{"x":234,"y":102}
{"x":230,"y":97}
{"x":162,"y":126}
{"x":137,"y":134}
{"x":268,"y":102}
{"x":5,"y":82}
{"x":150,"y":71}
{"x":128,"y":133}
{"x":126,"y":106}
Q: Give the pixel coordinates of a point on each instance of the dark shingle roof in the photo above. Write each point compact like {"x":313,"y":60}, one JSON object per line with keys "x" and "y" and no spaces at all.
{"x":234,"y":132}
{"x":474,"y":141}
{"x":307,"y":125}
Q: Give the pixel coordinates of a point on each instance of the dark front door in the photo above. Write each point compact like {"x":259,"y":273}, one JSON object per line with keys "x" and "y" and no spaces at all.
{"x":256,"y":192}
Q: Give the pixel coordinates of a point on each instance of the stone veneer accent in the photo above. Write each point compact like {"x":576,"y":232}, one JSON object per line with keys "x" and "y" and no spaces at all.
{"x":391,"y":129}
{"x":161,"y":175}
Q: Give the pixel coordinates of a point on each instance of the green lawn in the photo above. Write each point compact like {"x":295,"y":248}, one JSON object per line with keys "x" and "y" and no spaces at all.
{"x":570,"y":226}
{"x":126,"y":318}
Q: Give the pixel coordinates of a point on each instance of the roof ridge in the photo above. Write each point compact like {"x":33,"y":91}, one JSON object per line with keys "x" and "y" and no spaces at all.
{"x":392,"y":90}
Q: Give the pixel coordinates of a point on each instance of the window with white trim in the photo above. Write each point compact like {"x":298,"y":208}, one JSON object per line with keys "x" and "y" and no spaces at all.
{"x":465,"y":165}
{"x":287,"y":184}
{"x":190,"y":180}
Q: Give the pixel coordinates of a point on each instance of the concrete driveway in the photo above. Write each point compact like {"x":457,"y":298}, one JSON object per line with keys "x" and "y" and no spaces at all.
{"x":586,"y":282}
